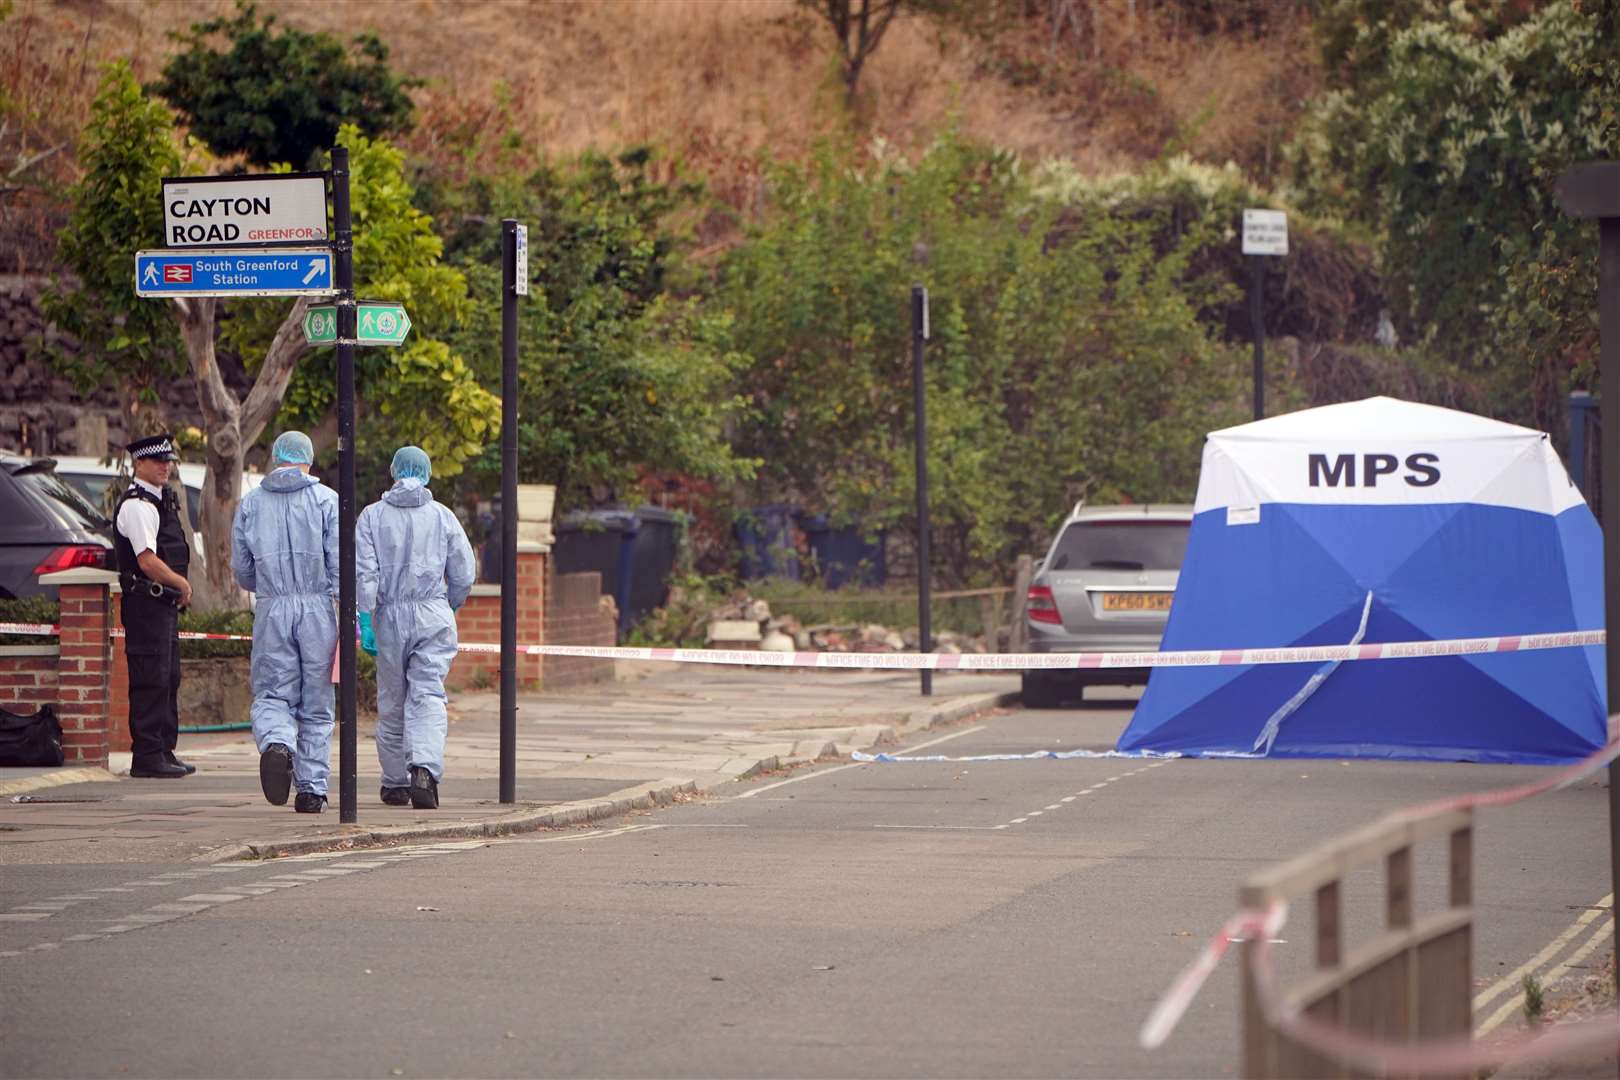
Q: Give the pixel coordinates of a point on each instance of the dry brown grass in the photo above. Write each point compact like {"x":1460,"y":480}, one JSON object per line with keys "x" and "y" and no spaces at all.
{"x":718,"y":84}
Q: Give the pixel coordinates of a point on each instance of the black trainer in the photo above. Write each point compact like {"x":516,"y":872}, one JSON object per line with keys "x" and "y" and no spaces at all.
{"x":396,"y":796}
{"x":424,"y":789}
{"x":309,"y":803}
{"x":275,"y":773}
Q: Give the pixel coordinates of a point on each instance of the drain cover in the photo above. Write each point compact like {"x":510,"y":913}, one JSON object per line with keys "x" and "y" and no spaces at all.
{"x":48,"y":799}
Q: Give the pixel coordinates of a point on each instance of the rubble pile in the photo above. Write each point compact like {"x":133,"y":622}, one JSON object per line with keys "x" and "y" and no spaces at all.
{"x":748,"y":623}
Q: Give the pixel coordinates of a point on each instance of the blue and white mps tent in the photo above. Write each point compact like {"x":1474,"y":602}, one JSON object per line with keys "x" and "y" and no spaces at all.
{"x":1372,"y":521}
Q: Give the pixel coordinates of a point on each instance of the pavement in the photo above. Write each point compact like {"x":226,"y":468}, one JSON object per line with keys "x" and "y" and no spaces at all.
{"x":657,"y":734}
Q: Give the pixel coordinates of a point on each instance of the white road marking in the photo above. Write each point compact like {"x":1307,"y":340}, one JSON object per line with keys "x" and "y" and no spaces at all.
{"x":574,"y":838}
{"x":946,"y":828}
{"x":1067,"y":798}
{"x":852,"y":765}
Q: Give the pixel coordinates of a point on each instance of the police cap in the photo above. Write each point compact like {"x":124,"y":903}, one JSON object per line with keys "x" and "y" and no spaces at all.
{"x":154,"y":446}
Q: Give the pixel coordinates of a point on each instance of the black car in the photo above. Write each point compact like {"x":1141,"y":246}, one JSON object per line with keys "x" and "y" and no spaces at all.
{"x":45,"y":525}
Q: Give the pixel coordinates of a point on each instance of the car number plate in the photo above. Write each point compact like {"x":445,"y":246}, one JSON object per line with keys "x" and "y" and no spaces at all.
{"x":1137,"y":601}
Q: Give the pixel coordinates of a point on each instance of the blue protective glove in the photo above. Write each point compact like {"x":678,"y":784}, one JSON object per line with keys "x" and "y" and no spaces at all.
{"x":368,"y":637}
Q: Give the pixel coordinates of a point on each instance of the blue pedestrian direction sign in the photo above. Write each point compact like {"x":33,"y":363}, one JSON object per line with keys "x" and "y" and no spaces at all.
{"x":278,"y":272}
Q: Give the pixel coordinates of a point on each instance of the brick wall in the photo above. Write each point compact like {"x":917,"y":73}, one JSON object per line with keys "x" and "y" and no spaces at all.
{"x":84,"y":664}
{"x":575,"y":616}
{"x":553,"y":609}
{"x":73,"y":675}
{"x":27,"y":676}
{"x":479,"y":621}
{"x":118,"y":686}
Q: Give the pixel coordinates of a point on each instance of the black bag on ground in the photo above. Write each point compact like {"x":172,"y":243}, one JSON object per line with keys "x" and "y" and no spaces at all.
{"x":35,"y":739}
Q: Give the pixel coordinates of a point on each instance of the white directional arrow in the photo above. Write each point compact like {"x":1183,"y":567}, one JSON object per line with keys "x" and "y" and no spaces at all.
{"x":315,"y":268}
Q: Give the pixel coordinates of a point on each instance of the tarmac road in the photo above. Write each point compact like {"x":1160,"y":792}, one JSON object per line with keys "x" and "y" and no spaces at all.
{"x":951,"y":919}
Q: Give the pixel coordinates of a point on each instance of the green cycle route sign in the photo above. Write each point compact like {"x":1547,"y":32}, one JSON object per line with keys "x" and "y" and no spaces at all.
{"x":377,"y":322}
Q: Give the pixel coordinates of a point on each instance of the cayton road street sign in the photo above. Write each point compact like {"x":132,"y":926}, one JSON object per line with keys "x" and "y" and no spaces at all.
{"x":276,"y":208}
{"x":377,"y":322}
{"x":279,"y":272}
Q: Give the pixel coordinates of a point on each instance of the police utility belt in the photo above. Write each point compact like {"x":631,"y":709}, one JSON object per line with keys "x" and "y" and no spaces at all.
{"x":141,"y":586}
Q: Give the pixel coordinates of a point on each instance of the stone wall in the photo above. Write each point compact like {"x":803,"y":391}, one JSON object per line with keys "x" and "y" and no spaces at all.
{"x":41,"y":411}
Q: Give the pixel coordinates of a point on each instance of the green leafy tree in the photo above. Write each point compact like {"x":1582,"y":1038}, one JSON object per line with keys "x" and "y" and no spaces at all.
{"x":618,"y":374}
{"x":280,"y":95}
{"x":1065,"y":358}
{"x":428,"y":390}
{"x":424,"y":392}
{"x":127,"y":147}
{"x":1448,"y":143}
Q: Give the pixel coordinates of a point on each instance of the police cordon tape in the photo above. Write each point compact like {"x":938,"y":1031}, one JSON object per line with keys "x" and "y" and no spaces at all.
{"x":1297,"y":654}
{"x":1455,"y":1056}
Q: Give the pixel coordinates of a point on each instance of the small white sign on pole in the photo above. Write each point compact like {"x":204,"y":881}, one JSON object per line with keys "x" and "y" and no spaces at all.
{"x":248,"y":211}
{"x":1265,"y":232}
{"x":521,"y":285}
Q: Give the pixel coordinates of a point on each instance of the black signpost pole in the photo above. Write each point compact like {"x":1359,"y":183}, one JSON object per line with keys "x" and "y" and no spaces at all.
{"x":1257,"y":318}
{"x":1592,"y":190}
{"x":343,"y":279}
{"x":919,"y":335}
{"x":509,"y":508}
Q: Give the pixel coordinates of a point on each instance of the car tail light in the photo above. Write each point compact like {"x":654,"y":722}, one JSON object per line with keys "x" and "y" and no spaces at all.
{"x":72,"y":557}
{"x":1042,"y":606}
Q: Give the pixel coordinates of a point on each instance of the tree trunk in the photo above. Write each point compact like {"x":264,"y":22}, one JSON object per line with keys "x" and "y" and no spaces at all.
{"x":232,"y":427}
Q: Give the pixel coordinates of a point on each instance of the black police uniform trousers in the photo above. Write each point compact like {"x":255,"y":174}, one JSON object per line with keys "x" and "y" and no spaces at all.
{"x":152,"y":647}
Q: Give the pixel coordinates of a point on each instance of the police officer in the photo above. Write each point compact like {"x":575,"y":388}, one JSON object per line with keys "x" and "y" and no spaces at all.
{"x":152,"y":562}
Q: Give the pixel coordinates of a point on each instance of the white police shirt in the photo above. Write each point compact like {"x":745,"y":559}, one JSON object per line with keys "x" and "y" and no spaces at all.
{"x":138,"y":521}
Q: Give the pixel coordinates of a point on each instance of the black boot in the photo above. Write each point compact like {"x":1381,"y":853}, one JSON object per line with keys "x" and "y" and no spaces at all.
{"x":309,"y":803}
{"x":396,"y":796}
{"x":275,"y":773}
{"x":186,"y":765}
{"x":155,"y":768}
{"x":424,"y":789}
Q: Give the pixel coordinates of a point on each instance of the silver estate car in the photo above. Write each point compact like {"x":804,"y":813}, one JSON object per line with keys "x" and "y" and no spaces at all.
{"x":1105,"y":586}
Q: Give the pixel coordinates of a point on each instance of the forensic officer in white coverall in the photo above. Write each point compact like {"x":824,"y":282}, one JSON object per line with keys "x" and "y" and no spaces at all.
{"x":413,"y":570}
{"x":284,"y":549}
